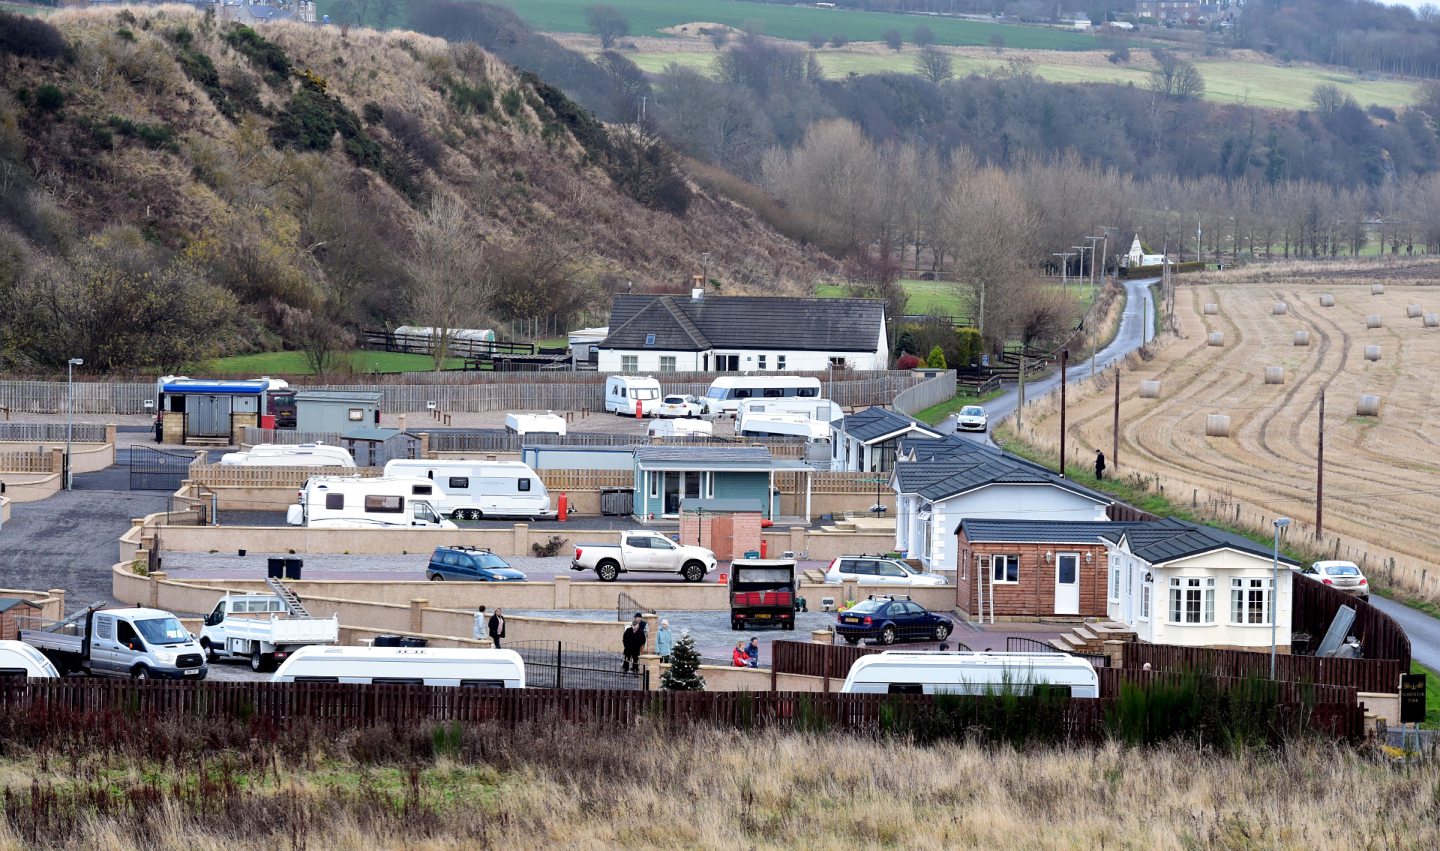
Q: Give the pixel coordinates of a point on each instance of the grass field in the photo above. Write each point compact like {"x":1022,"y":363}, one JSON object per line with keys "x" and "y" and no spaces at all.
{"x":648,"y":17}
{"x":944,"y":298}
{"x":293,"y":363}
{"x":26,"y":9}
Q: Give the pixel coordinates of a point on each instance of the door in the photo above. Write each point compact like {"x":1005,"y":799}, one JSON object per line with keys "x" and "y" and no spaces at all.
{"x":207,"y":416}
{"x":889,"y":573}
{"x":637,"y":552}
{"x":671,"y":492}
{"x":1067,"y":583}
{"x":102,"y":643}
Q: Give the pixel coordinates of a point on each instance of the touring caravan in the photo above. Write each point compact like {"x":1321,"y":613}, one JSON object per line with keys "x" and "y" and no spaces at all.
{"x":354,"y":502}
{"x":432,"y":666}
{"x":546,"y":423}
{"x":728,"y":391}
{"x":782,"y":425}
{"x":20,"y":660}
{"x":823,"y":410}
{"x":290,"y":455}
{"x":476,"y":489}
{"x":624,"y":392}
{"x":902,"y":672}
{"x":681,"y":428}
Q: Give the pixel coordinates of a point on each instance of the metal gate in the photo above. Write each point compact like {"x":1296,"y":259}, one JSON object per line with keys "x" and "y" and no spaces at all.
{"x":158,"y":470}
{"x":1017,"y":644}
{"x":556,"y":664}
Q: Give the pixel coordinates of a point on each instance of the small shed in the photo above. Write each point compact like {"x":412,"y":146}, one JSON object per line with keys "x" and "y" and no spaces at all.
{"x":205,"y":411}
{"x":11,"y":610}
{"x":336,"y":411}
{"x":373,"y":447}
{"x":727,"y":527}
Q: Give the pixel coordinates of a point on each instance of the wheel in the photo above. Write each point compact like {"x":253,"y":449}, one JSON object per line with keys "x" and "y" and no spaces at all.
{"x":477,"y":514}
{"x":887,"y":635}
{"x":790,"y":625}
{"x":693,"y":571}
{"x":257,"y":660}
{"x":734,"y":624}
{"x":851,"y":640}
{"x":141,"y":672}
{"x":210,"y":654}
{"x":608,"y":571}
{"x":942,"y":632}
{"x":435,"y":577}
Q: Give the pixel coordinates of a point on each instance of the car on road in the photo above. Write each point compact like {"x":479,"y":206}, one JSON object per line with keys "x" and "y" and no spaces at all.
{"x":972,"y":418}
{"x":878,"y":570}
{"x":886,"y":619}
{"x":643,"y":551}
{"x":470,"y":564}
{"x":681,"y":406}
{"x":1341,"y":575}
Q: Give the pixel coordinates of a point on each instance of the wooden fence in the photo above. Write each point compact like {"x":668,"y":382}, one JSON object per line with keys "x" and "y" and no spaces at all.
{"x":51,"y":433}
{"x":1372,"y":675}
{"x":816,"y":660}
{"x":27,"y":462}
{"x":576,"y":480}
{"x":1112,"y":678}
{"x":1316,"y":604}
{"x":225,"y":475}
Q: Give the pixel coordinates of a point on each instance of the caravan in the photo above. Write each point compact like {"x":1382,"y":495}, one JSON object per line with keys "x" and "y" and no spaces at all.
{"x":481,"y":489}
{"x":727,"y":392}
{"x":909,"y":672}
{"x":822,"y":410}
{"x":289,"y":455}
{"x":782,"y":425}
{"x":437,"y":666}
{"x":623,"y":393}
{"x":353,"y":502}
{"x":20,"y":660}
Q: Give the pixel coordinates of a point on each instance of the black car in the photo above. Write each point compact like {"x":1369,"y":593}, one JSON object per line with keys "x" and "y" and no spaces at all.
{"x":888,"y":619}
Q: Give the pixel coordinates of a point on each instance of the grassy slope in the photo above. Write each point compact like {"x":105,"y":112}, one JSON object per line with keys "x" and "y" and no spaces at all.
{"x":648,"y":17}
{"x":941,"y":297}
{"x":293,"y":363}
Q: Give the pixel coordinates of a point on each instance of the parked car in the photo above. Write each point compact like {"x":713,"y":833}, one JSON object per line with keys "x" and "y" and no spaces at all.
{"x":972,"y":418}
{"x":878,"y":570}
{"x":643,"y":551}
{"x":470,"y":564}
{"x":681,"y":406}
{"x":1342,"y":575}
{"x":890,"y":618}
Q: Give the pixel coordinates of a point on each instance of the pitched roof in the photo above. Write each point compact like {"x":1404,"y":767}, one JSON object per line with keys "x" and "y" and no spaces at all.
{"x":8,"y":603}
{"x":744,"y":322}
{"x":1160,"y":541}
{"x":954,"y":465}
{"x":703,"y":454}
{"x":876,"y":423}
{"x":1039,"y":531}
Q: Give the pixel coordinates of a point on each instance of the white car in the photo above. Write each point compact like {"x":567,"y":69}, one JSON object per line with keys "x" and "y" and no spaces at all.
{"x":878,"y":570}
{"x":681,"y":406}
{"x":1342,"y":575}
{"x":972,"y":418}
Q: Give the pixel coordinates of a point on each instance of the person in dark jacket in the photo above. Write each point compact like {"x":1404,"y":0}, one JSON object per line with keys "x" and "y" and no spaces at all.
{"x":633,"y":641}
{"x":752,"y":653}
{"x":1099,"y":465}
{"x":497,"y":626}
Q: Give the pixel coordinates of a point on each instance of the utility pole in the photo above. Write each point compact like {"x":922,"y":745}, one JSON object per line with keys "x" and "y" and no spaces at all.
{"x":1020,"y":406}
{"x":1081,"y":250}
{"x":1115,"y":427}
{"x":1105,"y":250}
{"x":1093,"y":240}
{"x":1320,"y":473}
{"x":1064,"y":363}
{"x":1064,"y":266}
{"x":1199,"y":254}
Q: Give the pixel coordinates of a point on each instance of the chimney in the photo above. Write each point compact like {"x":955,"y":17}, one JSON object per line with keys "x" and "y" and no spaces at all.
{"x":697,"y":288}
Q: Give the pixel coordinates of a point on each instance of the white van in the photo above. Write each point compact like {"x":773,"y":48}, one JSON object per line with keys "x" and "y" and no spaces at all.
{"x":476,"y":489}
{"x":911,"y":672}
{"x":727,"y":392}
{"x":624,"y":392}
{"x":823,"y":410}
{"x":290,"y":455}
{"x":20,"y":660}
{"x":355,"y":502}
{"x":432,"y":666}
{"x":546,"y":423}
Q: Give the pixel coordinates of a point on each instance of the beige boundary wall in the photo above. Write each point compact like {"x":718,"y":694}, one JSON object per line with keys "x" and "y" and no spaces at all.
{"x":30,"y":487}
{"x":4,"y":510}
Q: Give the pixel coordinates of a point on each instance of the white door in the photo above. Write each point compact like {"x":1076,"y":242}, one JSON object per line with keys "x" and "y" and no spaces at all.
{"x":1067,"y":584}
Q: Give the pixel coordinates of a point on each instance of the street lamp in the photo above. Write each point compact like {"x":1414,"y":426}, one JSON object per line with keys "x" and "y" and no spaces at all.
{"x":70,"y":415}
{"x":1280,"y":523}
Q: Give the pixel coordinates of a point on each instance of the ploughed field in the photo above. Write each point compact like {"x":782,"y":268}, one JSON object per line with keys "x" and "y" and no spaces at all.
{"x":1381,"y":488}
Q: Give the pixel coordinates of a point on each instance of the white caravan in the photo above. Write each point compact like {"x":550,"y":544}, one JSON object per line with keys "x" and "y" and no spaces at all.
{"x":781,"y":425}
{"x":682,"y":428}
{"x":290,"y":455}
{"x":727,"y":392}
{"x":624,"y":392}
{"x":823,"y":410}
{"x":354,"y":502}
{"x":20,"y":660}
{"x":475,"y":489}
{"x":432,"y":666}
{"x":546,"y":423}
{"x":910,"y":672}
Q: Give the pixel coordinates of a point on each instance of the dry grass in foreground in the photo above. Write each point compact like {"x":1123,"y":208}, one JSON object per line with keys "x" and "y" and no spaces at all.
{"x":578,"y":787}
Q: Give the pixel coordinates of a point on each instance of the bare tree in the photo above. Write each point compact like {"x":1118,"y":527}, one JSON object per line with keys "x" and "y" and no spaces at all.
{"x":447,"y":292}
{"x":923,"y":36}
{"x":893,"y":39}
{"x":607,"y":22}
{"x":832,"y":178}
{"x":992,"y":235}
{"x":1328,"y":99}
{"x":934,"y":64}
{"x":1175,"y":78}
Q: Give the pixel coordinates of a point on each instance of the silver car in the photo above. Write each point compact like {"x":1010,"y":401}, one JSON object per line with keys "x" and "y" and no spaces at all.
{"x":972,"y":418}
{"x":1341,"y":575}
{"x":878,"y":570}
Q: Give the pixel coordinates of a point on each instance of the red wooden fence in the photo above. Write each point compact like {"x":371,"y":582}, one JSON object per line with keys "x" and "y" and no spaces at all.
{"x":1380,"y":636}
{"x":1111,"y":678}
{"x":1376,"y":675}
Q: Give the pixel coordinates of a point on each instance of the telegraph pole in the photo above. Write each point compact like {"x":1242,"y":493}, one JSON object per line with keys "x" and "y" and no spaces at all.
{"x":1064,"y":363}
{"x":1320,"y":473}
{"x":1093,"y":240}
{"x":1115,"y":428}
{"x":1064,"y":266}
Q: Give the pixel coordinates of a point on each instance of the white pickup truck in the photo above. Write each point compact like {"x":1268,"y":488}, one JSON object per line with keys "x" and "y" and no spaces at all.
{"x":643,"y":551}
{"x":262,"y":628}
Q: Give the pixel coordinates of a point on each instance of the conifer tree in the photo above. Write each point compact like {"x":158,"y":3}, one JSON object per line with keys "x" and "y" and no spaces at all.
{"x":684,"y":672}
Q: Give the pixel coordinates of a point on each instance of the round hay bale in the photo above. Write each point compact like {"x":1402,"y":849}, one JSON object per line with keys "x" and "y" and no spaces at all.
{"x":1372,"y":353}
{"x":1368,"y":406}
{"x":1215,"y":339}
{"x":1149,"y":389}
{"x":1413,"y":311}
{"x":1274,"y":375}
{"x":1302,"y":338}
{"x":1327,"y":300}
{"x":1212,"y":309}
{"x":1217,"y":425}
{"x":1372,"y":320}
{"x":1432,"y":320}
{"x":1280,"y":308}
{"x":1377,"y":289}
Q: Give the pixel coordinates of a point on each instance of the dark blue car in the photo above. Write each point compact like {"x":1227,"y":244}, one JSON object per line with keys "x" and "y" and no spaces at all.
{"x":470,"y":564}
{"x":888,"y":619}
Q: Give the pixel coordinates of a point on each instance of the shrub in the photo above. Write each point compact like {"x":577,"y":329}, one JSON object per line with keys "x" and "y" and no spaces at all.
{"x":936,"y":360}
{"x":839,"y":40}
{"x":198,"y":67}
{"x":971,"y":346}
{"x":23,"y":35}
{"x":511,"y":101}
{"x":49,"y":98}
{"x":907,"y":361}
{"x":550,"y":548}
{"x":265,"y":54}
{"x":372,"y":113}
{"x":468,"y":99}
{"x":817,"y":41}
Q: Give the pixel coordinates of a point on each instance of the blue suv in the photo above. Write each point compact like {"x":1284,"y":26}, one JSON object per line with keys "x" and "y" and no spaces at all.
{"x":470,"y":564}
{"x":890,"y":618}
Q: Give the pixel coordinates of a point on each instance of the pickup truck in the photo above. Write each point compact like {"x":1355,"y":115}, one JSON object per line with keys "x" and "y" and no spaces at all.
{"x":139,"y":643}
{"x":643,"y":551}
{"x":262,"y":628}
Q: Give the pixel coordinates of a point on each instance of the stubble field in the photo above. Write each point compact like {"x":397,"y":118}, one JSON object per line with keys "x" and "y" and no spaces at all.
{"x":1381,"y":489}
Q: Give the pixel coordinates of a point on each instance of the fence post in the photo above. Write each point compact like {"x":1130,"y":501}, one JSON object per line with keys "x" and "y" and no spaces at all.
{"x":562,"y":592}
{"x":520,"y":539}
{"x":417,"y":614}
{"x":652,"y":671}
{"x":155,"y":580}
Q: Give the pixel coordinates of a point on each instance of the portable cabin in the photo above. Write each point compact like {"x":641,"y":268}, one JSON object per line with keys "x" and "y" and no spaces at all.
{"x":336,"y":411}
{"x":210,"y":412}
{"x":461,"y":667}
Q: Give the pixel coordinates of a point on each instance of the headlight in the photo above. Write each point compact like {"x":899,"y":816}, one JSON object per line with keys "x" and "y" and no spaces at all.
{"x":165,"y":657}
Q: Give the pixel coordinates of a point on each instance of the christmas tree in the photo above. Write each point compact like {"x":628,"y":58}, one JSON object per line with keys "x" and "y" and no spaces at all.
{"x":684,"y":671}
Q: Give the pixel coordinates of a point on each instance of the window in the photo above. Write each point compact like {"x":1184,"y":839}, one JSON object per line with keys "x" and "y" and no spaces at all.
{"x":377,"y":504}
{"x":739,"y":393}
{"x":398,"y":681}
{"x":649,"y":339}
{"x":1114,"y":581}
{"x":774,"y":392}
{"x":356,"y":415}
{"x":317,"y":679}
{"x":890,"y":569}
{"x":779,"y":361}
{"x":523,"y":485}
{"x":654,"y":483}
{"x":335,"y":501}
{"x":905,"y":688}
{"x":126,"y":637}
{"x":639,"y":542}
{"x":1005,"y":569}
{"x":1144,"y":601}
{"x":421,"y":490}
{"x":459,"y":483}
{"x":1192,"y":600}
{"x":482,"y":683}
{"x":760,"y":361}
{"x":837,"y":363}
{"x":807,"y":392}
{"x":423,"y":511}
{"x":1250,"y":601}
{"x":667,"y":363}
{"x":629,"y":364}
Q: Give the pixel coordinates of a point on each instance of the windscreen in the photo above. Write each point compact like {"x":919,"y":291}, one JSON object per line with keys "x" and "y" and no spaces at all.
{"x":764,"y":574}
{"x":162,"y":631}
{"x":645,"y":393}
{"x":1343,"y":570}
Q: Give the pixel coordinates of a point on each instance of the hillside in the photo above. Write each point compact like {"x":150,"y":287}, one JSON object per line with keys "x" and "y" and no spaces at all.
{"x":173,"y":186}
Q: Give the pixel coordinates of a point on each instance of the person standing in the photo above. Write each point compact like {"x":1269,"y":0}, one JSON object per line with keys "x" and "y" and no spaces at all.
{"x":664,"y":641}
{"x":633,"y":641}
{"x":752,"y":653}
{"x":497,"y":627}
{"x":738,"y":659}
{"x":1099,"y":465}
{"x":481,"y":625}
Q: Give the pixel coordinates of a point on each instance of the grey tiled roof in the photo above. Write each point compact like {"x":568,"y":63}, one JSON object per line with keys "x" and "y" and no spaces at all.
{"x":1160,"y":541}
{"x":1039,"y":531}
{"x":703,"y":454}
{"x":875,"y":423}
{"x":745,"y":322}
{"x":955,"y":465}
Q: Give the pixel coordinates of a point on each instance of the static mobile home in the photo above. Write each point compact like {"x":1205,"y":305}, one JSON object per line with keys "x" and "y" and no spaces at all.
{"x":901,"y":672}
{"x":431,"y":666}
{"x":353,"y":502}
{"x":476,"y":489}
{"x":289,"y":455}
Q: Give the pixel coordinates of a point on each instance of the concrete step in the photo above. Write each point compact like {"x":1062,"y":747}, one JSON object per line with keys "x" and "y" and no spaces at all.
{"x":1062,"y":646}
{"x":1086,"y":634}
{"x":1075,"y":642}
